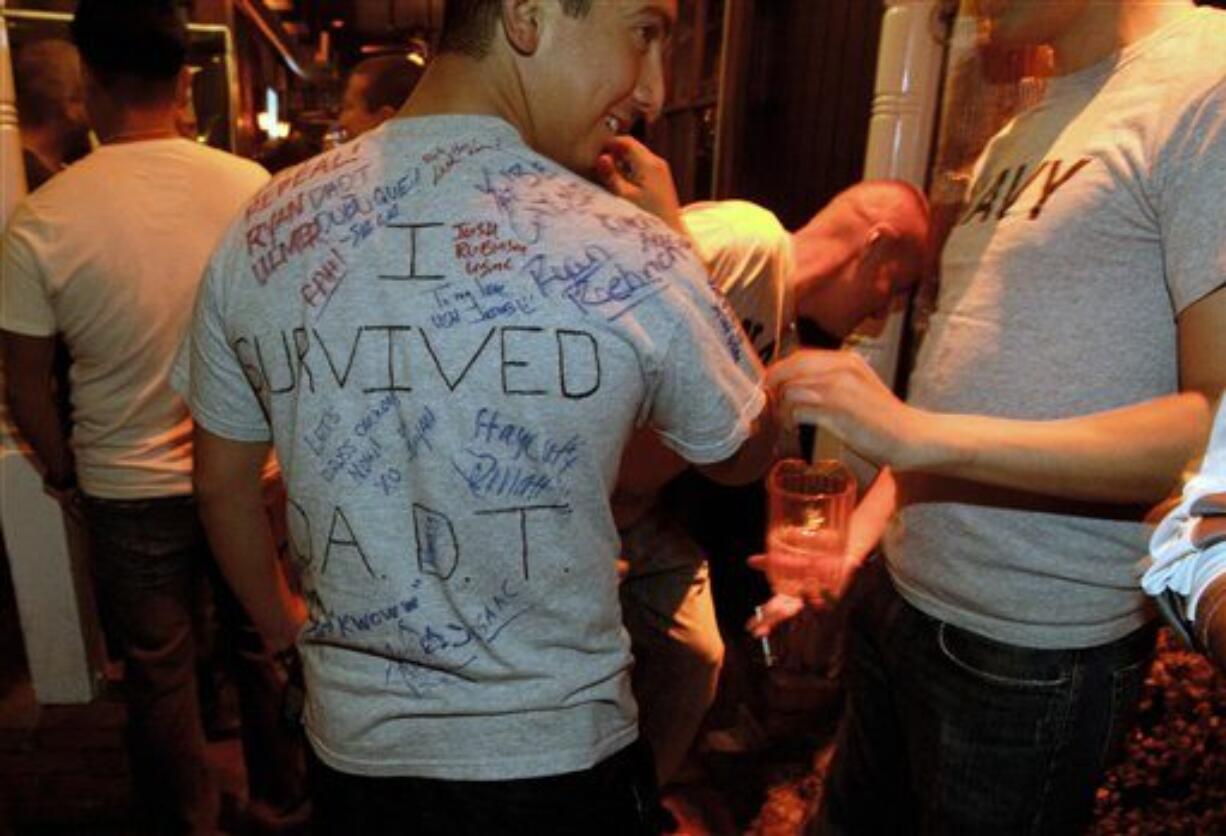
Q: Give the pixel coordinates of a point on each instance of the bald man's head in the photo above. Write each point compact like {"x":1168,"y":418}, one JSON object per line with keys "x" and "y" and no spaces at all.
{"x":871,"y":241}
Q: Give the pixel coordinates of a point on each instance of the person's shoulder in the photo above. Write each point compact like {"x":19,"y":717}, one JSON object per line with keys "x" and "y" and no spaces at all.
{"x":226,"y":159}
{"x":582,"y":205}
{"x":225,"y":164}
{"x":1206,"y":30}
{"x":1188,"y":62}
{"x":62,"y":193}
{"x":1206,"y":69}
{"x":319,"y":173}
{"x":549,"y":205}
{"x":721,"y":225}
{"x":600,"y":252}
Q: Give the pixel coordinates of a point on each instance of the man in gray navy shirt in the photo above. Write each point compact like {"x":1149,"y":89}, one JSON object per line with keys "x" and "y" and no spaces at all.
{"x":996,"y":651}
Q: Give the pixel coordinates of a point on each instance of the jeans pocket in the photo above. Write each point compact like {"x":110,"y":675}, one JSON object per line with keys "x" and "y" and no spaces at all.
{"x":1126,"y":684}
{"x":1004,"y":665}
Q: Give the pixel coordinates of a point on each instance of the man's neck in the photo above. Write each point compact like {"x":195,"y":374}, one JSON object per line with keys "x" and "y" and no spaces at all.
{"x":457,"y":84}
{"x":1105,"y":28}
{"x":135,"y":125}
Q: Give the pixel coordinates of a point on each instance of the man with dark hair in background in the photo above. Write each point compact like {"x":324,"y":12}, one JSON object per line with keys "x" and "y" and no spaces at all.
{"x":376,"y":89}
{"x":449,"y":355}
{"x":109,"y":254}
{"x":51,"y":108}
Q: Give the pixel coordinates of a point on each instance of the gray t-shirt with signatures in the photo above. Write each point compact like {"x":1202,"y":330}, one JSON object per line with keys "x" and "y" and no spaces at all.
{"x":449,"y":338}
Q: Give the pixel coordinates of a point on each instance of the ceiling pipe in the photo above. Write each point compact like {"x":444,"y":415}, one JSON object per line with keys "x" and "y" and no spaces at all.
{"x":269,"y":25}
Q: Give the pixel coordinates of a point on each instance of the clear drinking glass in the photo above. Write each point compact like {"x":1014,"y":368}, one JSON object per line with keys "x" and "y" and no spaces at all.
{"x":808,"y":518}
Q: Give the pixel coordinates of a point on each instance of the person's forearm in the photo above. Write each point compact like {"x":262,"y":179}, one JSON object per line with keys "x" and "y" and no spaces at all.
{"x":241,"y":540}
{"x":37,"y":419}
{"x":646,"y":467}
{"x":1131,"y":455}
{"x":1210,"y":623}
{"x":871,"y":516}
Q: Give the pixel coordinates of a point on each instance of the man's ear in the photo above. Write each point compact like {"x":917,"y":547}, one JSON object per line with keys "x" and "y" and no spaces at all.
{"x":183,"y":87}
{"x":879,"y":238}
{"x":880,"y":245}
{"x":886,"y":257}
{"x":521,"y":20}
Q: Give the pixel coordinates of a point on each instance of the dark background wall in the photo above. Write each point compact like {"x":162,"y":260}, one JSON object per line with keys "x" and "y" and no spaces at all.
{"x":802,"y":81}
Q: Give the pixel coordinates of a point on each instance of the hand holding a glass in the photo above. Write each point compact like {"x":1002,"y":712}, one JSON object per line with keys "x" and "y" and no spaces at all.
{"x":810,"y":508}
{"x":840,"y":393}
{"x":864,"y":525}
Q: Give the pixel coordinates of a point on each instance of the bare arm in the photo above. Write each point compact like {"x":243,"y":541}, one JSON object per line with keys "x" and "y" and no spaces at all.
{"x":1128,"y":455}
{"x":230,"y":496}
{"x":28,"y":375}
{"x":1211,"y":621}
{"x":646,"y":467}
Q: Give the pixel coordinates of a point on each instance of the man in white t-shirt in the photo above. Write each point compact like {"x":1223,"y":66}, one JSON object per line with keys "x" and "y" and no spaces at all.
{"x":995,"y":655}
{"x":108,"y":255}
{"x":449,"y":333}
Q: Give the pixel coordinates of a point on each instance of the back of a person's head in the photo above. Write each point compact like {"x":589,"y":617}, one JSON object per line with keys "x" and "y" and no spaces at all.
{"x":902,"y":208}
{"x":46,"y":75}
{"x":469,"y":25}
{"x":391,"y":80}
{"x":140,"y":44}
{"x":867,"y":204}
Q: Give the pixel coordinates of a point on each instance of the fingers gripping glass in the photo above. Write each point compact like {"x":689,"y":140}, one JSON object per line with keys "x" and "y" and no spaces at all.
{"x":810,"y":506}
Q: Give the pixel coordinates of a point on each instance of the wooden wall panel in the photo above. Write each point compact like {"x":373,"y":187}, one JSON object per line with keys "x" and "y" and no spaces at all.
{"x":807,"y":76}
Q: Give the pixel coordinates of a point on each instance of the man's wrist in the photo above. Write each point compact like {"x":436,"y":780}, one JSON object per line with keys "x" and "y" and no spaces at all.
{"x":1211,"y":621}
{"x":925,"y":443}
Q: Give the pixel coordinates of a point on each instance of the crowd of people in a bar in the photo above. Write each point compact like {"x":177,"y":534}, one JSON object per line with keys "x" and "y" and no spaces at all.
{"x":418,"y":398}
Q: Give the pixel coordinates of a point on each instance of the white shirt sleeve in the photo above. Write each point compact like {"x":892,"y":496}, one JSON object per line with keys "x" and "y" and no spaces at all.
{"x":25,"y":305}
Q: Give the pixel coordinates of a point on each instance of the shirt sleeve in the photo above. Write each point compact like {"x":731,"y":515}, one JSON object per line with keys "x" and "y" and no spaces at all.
{"x":213,"y":375}
{"x":25,"y":305}
{"x":1192,"y":180}
{"x":708,"y":391}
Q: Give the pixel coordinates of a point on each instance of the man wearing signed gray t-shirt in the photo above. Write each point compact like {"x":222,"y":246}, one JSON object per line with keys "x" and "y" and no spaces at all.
{"x":449,"y":336}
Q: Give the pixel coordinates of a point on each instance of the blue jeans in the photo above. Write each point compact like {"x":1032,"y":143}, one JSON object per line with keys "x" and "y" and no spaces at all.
{"x":946,"y":731}
{"x":148,"y":557}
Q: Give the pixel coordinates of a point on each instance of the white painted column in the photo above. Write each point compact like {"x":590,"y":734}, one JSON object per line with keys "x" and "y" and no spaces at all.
{"x":46,"y":551}
{"x":900,"y":135}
